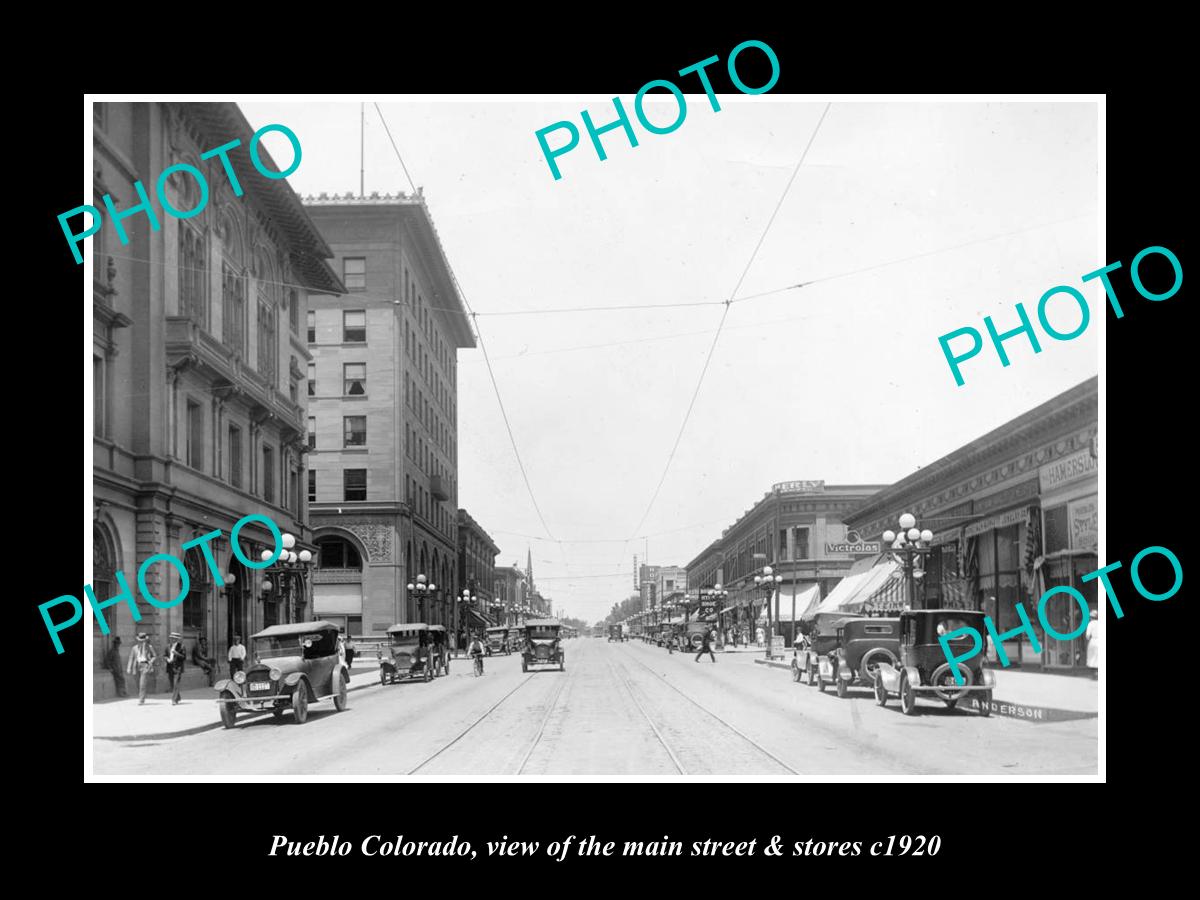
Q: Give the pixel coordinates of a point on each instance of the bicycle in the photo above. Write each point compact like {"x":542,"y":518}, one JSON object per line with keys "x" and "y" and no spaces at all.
{"x":478,"y":664}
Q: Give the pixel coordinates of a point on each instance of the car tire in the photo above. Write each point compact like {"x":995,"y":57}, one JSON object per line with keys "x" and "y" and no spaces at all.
{"x":908,"y":697}
{"x":869,"y":668}
{"x":562,"y":662}
{"x":228,"y":710}
{"x":812,"y":674}
{"x":881,"y":696}
{"x":842,"y":688}
{"x":428,"y":672}
{"x":300,"y":703}
{"x":821,"y":682}
{"x":795,"y":673}
{"x":985,"y":700}
{"x":524,"y":665}
{"x":341,"y":695}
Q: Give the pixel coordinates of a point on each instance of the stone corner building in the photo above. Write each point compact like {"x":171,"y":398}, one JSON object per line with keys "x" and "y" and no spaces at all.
{"x":198,"y":363}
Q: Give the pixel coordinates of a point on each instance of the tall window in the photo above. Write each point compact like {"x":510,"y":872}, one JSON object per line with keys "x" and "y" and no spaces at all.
{"x":235,"y":456}
{"x":195,"y":435}
{"x":233,"y":309}
{"x":195,"y":604}
{"x":193,"y":272}
{"x":268,"y":474}
{"x":337,"y":553}
{"x":801,"y":549}
{"x":312,"y":432}
{"x":354,"y":484}
{"x":312,"y":379}
{"x":312,"y":485}
{"x":268,"y":345}
{"x":294,"y":490}
{"x":354,"y":326}
{"x":354,"y":273}
{"x":293,"y":301}
{"x":98,"y":395}
{"x":356,"y":431}
{"x":355,"y":379}
{"x":312,"y":326}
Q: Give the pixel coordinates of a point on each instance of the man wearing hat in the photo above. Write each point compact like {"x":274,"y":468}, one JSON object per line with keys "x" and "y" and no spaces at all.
{"x":141,"y":662}
{"x":176,"y":656}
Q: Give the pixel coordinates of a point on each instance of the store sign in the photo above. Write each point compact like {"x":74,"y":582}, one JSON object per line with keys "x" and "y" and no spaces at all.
{"x":1012,"y":517}
{"x":855,"y":548}
{"x":1069,"y":468}
{"x":1084,"y":518}
{"x":799,"y":487}
{"x":707,"y":608}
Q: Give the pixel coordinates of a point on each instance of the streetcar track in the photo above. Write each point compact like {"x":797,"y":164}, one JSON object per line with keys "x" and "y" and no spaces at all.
{"x":757,"y":746}
{"x":462,"y":734}
{"x":542,"y":725}
{"x":624,"y":677}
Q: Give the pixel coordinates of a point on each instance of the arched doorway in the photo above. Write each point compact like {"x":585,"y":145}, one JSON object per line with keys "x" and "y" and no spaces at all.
{"x":104,"y":585}
{"x":196,"y":603}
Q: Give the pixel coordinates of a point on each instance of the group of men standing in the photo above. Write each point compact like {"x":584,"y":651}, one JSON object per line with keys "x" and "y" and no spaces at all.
{"x":143,"y":658}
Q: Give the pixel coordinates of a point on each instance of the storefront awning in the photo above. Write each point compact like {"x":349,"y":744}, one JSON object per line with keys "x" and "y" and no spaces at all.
{"x":479,"y":617}
{"x":846,"y":600}
{"x":805,"y":599}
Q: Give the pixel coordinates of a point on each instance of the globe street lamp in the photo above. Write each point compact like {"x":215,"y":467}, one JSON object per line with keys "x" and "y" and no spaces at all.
{"x":767,"y":582}
{"x":909,"y":546}
{"x":422,"y":589}
{"x":291,"y":572}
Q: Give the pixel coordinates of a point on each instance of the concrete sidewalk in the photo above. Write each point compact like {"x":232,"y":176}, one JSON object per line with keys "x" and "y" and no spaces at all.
{"x":1034,"y":696}
{"x":125,"y":720}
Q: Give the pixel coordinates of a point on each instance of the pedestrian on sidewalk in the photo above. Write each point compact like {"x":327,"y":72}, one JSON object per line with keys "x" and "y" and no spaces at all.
{"x":176,"y":656}
{"x":201,"y":658}
{"x":237,"y":655}
{"x":112,"y":662}
{"x":1095,"y":643}
{"x":350,"y":650}
{"x":706,"y":647}
{"x":141,"y":662}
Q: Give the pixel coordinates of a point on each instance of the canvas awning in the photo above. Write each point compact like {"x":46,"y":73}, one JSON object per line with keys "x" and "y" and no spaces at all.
{"x":806,"y":598}
{"x":848,"y":598}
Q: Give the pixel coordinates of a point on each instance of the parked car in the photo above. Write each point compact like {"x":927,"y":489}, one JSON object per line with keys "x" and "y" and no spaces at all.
{"x":408,"y":654}
{"x":614,"y":633}
{"x":862,"y":645}
{"x":692,"y":635}
{"x":497,"y":640}
{"x":290,"y":667}
{"x":806,"y":657}
{"x":542,"y":644}
{"x":923,"y":667}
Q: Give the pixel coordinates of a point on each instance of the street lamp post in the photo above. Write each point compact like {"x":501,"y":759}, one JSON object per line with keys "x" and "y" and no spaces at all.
{"x":422,"y":589}
{"x":767,"y":582}
{"x":910,"y":546}
{"x":469,"y":598}
{"x":291,"y":571}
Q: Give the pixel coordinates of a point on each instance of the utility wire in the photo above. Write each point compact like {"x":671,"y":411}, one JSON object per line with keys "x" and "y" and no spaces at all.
{"x":716,"y":336}
{"x":394,"y":147}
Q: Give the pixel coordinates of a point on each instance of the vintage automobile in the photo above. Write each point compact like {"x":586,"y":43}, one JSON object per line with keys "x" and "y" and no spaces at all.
{"x":693,"y":635}
{"x":923,"y":667}
{"x":516,"y":641}
{"x":542,"y":644}
{"x":806,"y":656}
{"x":440,"y":648}
{"x":497,"y":640}
{"x":409,"y":654}
{"x":862,"y":645}
{"x":290,"y":666}
{"x":614,"y":633}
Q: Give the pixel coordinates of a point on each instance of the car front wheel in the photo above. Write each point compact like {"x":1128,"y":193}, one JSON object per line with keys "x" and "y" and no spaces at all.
{"x":908,"y":697}
{"x":228,"y":710}
{"x":795,"y":673}
{"x":812,"y":674}
{"x":880,"y":692}
{"x":841,"y":688}
{"x":341,"y":694}
{"x":300,"y":703}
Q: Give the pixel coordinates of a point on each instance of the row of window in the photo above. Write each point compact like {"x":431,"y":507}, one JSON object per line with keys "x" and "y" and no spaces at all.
{"x":354,"y":326}
{"x":273,"y":482}
{"x":354,"y":431}
{"x":354,"y":379}
{"x":354,"y":485}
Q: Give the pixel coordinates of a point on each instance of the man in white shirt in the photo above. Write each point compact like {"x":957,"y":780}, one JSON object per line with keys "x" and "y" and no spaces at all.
{"x":237,"y":655}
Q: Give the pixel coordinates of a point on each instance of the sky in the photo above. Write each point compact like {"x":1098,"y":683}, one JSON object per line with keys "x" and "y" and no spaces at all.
{"x":907,"y":220}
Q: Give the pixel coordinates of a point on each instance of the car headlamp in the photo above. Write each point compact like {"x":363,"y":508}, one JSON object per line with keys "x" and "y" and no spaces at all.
{"x":275,"y":674}
{"x":239,"y":677}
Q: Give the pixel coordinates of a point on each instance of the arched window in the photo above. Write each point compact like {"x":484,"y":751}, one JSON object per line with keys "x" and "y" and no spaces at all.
{"x":195,"y":604}
{"x":337,"y":553}
{"x":104,"y":585}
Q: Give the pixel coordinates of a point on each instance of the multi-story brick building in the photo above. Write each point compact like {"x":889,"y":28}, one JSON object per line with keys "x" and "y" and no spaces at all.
{"x":510,"y":592}
{"x":383,"y":416}
{"x":198,"y":365}
{"x":477,"y":573}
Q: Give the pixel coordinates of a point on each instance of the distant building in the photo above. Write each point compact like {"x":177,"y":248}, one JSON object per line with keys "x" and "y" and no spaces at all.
{"x":383,"y":416}
{"x":510,"y":592}
{"x":477,"y":573}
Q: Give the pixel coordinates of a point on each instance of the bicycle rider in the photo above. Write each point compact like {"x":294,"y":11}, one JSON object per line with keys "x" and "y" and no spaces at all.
{"x":476,"y":651}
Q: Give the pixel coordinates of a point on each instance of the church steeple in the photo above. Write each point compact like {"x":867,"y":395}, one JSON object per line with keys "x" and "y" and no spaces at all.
{"x":529,"y":568}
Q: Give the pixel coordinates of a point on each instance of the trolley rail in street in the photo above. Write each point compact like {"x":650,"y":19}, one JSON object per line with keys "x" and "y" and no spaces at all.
{"x":462,"y":734}
{"x":537,"y":738}
{"x":624,"y":679}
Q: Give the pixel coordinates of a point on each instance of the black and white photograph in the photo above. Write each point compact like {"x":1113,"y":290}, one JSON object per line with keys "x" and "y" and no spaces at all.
{"x":704,"y":432}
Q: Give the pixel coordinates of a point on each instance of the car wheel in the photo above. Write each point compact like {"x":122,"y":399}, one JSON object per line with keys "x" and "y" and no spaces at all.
{"x":812,"y":674}
{"x":985,"y":700}
{"x":908,"y":697}
{"x":795,"y":672}
{"x":341,"y":694}
{"x":228,"y":710}
{"x":524,"y":665}
{"x":428,"y":672}
{"x":562,"y":662}
{"x":821,"y":682}
{"x":841,"y":688}
{"x":869,"y":670}
{"x":300,"y":703}
{"x":880,"y":692}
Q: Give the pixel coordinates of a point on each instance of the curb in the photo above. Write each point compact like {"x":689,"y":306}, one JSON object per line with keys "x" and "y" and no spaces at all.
{"x":196,"y":729}
{"x":1024,"y":711}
